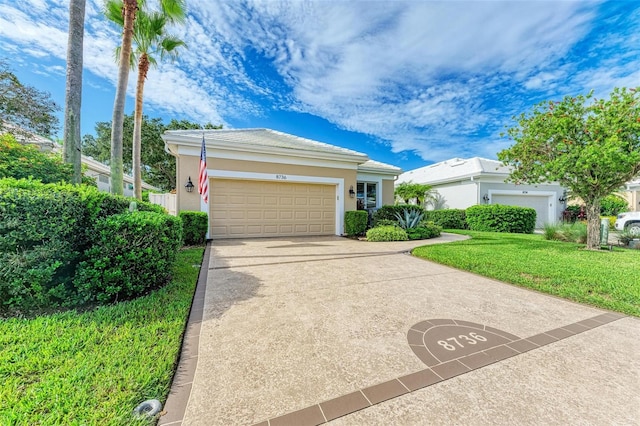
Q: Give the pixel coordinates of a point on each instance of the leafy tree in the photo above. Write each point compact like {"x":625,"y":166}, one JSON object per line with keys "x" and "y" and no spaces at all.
{"x":73,"y":92}
{"x":613,"y":204}
{"x":27,"y":161}
{"x":129,"y":9}
{"x":25,"y":109}
{"x":150,"y":39}
{"x":408,"y":191}
{"x":158,"y":167}
{"x":590,"y":146}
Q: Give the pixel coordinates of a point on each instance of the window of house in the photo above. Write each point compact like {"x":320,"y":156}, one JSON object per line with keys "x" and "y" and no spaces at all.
{"x":366,"y":195}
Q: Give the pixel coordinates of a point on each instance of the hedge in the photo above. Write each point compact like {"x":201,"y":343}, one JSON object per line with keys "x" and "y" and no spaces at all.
{"x":448,"y":218}
{"x":131,"y":254}
{"x":387,"y":233}
{"x":424,"y":231}
{"x":389,"y":212}
{"x":355,"y":222}
{"x":194,"y":227}
{"x":499,"y":218}
{"x":45,"y":231}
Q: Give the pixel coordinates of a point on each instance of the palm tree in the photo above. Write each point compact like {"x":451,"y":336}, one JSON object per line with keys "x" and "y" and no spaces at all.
{"x":150,"y":39}
{"x":73,"y":92}
{"x":127,"y":10}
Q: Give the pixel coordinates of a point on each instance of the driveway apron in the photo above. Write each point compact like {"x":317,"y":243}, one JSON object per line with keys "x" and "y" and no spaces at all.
{"x":308,"y":330}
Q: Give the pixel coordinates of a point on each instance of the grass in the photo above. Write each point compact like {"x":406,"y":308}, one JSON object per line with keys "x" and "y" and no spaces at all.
{"x":94,"y":368}
{"x":605,"y":279}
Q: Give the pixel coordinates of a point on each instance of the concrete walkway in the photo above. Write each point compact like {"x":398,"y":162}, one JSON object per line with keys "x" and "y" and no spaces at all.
{"x":300,"y":331}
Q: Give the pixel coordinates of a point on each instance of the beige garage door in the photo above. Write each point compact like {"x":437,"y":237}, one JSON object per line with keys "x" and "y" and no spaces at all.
{"x":246,"y":208}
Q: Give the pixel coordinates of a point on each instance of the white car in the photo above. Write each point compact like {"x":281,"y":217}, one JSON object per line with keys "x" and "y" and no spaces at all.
{"x":628,"y":221}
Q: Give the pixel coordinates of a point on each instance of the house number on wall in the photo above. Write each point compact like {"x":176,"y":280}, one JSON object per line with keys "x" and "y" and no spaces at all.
{"x":281,"y":177}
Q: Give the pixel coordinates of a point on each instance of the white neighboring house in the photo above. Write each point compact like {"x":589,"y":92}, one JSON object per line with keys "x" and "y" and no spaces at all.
{"x":467,"y":182}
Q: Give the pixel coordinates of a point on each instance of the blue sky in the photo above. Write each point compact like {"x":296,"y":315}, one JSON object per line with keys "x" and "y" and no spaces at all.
{"x":407,"y":82}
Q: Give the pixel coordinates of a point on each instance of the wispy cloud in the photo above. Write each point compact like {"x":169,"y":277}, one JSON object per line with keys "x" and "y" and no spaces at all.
{"x":440,"y":79}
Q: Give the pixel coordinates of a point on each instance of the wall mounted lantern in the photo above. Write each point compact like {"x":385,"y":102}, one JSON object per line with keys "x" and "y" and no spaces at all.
{"x":189,"y":185}
{"x":485,"y":198}
{"x":351,"y":192}
{"x":563,"y":197}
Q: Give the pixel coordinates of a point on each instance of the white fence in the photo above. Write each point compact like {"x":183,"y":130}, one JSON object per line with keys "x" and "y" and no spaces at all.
{"x":168,"y":201}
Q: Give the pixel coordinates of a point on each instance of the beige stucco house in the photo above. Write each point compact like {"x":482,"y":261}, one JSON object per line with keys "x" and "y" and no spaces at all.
{"x":631,"y":193}
{"x":265,"y":183}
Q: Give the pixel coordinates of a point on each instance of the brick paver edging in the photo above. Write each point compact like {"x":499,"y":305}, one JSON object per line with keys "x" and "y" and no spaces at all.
{"x":176,"y":405}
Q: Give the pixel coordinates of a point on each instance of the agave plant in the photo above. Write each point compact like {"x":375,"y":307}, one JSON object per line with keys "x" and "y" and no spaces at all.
{"x":409,"y":219}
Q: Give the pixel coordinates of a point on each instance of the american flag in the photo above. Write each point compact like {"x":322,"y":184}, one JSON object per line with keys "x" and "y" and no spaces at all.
{"x":203,"y":178}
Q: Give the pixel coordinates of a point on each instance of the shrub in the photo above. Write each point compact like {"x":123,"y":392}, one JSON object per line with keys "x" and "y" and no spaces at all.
{"x":387,"y":233}
{"x":409,"y":218}
{"x":387,"y":222}
{"x":613,"y":204}
{"x":500,"y":218}
{"x":40,"y":246}
{"x":448,"y":218}
{"x":194,"y":227}
{"x":355,"y":222}
{"x":574,"y":232}
{"x":131,"y":254}
{"x":424,"y":231}
{"x":24,"y":161}
{"x":389,"y":212}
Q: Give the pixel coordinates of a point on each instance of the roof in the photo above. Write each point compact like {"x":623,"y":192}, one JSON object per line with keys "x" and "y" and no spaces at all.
{"x":455,"y":169}
{"x":378,"y":167}
{"x":263,"y":141}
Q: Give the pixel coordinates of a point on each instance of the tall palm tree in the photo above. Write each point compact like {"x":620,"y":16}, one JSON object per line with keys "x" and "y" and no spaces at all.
{"x":150,"y":39}
{"x":127,"y":10}
{"x":73,"y":92}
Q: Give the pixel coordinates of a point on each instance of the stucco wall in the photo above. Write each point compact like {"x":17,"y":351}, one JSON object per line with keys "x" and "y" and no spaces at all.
{"x":188,"y":166}
{"x":388,"y":188}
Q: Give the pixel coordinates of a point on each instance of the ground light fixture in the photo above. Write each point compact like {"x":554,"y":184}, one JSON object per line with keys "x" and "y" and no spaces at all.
{"x":189,"y":185}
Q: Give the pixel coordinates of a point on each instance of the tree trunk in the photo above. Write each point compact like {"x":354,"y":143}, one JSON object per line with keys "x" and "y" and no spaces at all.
{"x":73,"y":94}
{"x":143,"y":68}
{"x":129,"y":8}
{"x":593,"y":225}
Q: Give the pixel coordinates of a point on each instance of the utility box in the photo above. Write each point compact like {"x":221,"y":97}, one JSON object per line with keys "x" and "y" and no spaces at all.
{"x":604,"y":232}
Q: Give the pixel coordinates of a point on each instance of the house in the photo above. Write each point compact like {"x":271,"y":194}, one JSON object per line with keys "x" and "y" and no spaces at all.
{"x":265,"y":183}
{"x":631,"y":193}
{"x":467,"y":182}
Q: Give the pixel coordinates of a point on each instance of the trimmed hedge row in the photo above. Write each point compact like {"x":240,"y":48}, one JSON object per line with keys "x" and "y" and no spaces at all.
{"x":194,"y":227}
{"x":448,"y":218}
{"x":355,"y":222}
{"x":499,"y":218}
{"x":48,"y":230}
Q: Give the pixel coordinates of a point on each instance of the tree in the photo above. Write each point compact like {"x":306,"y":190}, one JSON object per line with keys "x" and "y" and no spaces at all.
{"x":129,"y":9}
{"x":25,"y":109}
{"x":158,"y":167}
{"x":436,"y":201}
{"x":27,"y":161}
{"x":408,"y":191}
{"x":73,"y":92}
{"x":150,"y":39}
{"x":590,"y":146}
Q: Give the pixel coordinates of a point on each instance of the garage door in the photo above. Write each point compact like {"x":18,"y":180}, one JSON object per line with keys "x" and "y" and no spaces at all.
{"x":539,"y":203}
{"x":246,"y":208}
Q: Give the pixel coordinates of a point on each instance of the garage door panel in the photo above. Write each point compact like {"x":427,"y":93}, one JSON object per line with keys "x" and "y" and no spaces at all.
{"x":250,"y":208}
{"x":539,"y":203}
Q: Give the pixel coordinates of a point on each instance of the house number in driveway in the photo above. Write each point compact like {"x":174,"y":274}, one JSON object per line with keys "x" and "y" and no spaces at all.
{"x":445,"y":340}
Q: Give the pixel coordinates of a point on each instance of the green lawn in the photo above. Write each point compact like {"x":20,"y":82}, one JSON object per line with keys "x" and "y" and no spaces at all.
{"x":606,"y":279}
{"x":93,"y":368}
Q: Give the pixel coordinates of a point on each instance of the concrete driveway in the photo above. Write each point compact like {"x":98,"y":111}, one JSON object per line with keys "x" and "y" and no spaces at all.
{"x":300,"y":331}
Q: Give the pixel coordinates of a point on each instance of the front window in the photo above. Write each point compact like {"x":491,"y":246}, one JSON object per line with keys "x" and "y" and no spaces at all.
{"x":367,"y":192}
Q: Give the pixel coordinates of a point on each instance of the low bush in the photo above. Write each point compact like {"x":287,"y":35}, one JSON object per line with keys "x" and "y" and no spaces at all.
{"x":387,"y":233}
{"x":131,"y":254}
{"x":613,"y":204}
{"x":424,"y":231}
{"x":389,"y":212}
{"x":574,"y":232}
{"x":355,"y":222}
{"x":409,"y":218}
{"x":500,"y":218}
{"x":194,"y":227}
{"x":448,"y":218}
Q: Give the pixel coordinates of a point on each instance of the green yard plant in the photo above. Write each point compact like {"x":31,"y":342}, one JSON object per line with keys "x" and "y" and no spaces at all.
{"x":95,"y":367}
{"x":606,"y":279}
{"x":387,"y":233}
{"x":355,"y":222}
